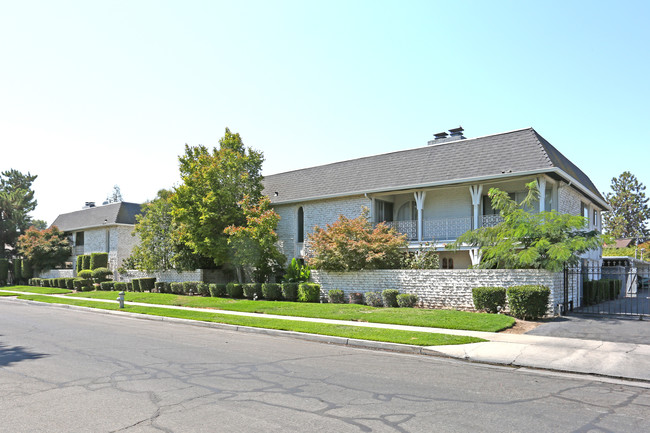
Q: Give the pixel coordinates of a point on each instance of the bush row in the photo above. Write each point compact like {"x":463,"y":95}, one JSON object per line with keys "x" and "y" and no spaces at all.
{"x":305,"y":292}
{"x":388,"y":298}
{"x":598,"y":291}
{"x":22,"y":271}
{"x":525,"y":302}
{"x":92,"y":261}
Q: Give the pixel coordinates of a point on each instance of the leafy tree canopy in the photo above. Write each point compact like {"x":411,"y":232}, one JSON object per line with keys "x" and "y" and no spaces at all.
{"x":213,"y":183}
{"x":544,"y":240}
{"x":630,"y":212}
{"x":44,"y":249}
{"x":16,"y":202}
{"x":254,"y":244}
{"x":353,"y":244}
{"x":115,"y":196}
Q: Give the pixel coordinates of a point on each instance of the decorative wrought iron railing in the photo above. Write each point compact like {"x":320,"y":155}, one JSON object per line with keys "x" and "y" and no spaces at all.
{"x":440,"y":229}
{"x":491,"y":220}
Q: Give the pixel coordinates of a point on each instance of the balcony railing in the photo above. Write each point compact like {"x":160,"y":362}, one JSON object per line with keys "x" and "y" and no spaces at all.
{"x":441,"y":229}
{"x":78,"y":250}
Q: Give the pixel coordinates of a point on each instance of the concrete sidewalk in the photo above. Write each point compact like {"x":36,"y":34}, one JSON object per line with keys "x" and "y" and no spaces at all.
{"x":609,"y":359}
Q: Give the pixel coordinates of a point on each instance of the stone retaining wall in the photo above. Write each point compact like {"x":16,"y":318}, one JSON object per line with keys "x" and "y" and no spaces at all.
{"x":57,"y":273}
{"x":173,"y":276}
{"x":440,"y":288}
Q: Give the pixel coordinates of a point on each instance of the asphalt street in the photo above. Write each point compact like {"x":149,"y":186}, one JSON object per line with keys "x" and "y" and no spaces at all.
{"x":76,"y":371}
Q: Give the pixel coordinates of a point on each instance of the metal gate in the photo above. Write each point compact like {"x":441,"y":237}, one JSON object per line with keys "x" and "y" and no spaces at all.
{"x":619,"y":287}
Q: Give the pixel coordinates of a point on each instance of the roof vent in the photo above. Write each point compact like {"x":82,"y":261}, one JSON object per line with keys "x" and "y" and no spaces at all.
{"x":454,"y":134}
{"x":89,"y":204}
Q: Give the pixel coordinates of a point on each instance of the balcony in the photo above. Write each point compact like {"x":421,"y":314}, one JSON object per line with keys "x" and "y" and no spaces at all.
{"x":78,"y":250}
{"x":441,"y":229}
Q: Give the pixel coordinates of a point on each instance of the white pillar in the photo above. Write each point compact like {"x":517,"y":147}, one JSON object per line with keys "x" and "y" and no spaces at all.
{"x":541,"y":186}
{"x":476,"y":191}
{"x":419,"y":203}
{"x":475,"y":255}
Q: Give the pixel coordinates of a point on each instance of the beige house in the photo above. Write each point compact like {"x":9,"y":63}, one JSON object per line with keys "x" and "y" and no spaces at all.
{"x":101,"y":229}
{"x":433,"y":193}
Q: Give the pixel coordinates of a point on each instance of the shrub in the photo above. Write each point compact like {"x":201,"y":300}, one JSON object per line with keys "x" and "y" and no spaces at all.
{"x":26,"y":270}
{"x":98,"y":260}
{"x":107,"y":285}
{"x":190,"y":287}
{"x":135,"y":283}
{"x":308,"y":292}
{"x":356,"y":298}
{"x":80,"y":263}
{"x":336,"y":296}
{"x":389,"y":296}
{"x":528,"y":302}
{"x":101,"y":274}
{"x":160,"y":286}
{"x":218,"y":290}
{"x":235,"y":290}
{"x":147,"y":283}
{"x":82,"y":284}
{"x":61,"y":283}
{"x":290,"y":291}
{"x":129,"y":286}
{"x":407,"y":300}
{"x":176,"y":288}
{"x":45,"y":282}
{"x":69,"y":283}
{"x":373,"y":299}
{"x":85,"y":274}
{"x":18,"y":266}
{"x":4,"y":271}
{"x":120,"y":286}
{"x":489,"y":298}
{"x":272,"y":291}
{"x":252,"y":290}
{"x":36,"y":281}
{"x":86,"y":262}
{"x":203,"y":289}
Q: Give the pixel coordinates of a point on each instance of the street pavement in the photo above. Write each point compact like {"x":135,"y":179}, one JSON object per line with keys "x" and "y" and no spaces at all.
{"x":623,"y":360}
{"x":74,"y":370}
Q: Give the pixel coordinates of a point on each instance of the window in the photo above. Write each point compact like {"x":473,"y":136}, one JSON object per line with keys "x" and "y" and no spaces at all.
{"x":383,"y":211}
{"x":584,"y":211}
{"x":447,"y":263}
{"x":301,"y":225}
{"x":407,"y":212}
{"x":548,"y":199}
{"x":108,"y":240}
{"x":79,"y":239}
{"x":595,"y":220}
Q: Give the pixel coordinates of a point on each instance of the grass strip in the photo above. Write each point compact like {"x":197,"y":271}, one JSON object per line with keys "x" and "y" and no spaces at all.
{"x":40,"y":290}
{"x":448,"y":319}
{"x":345,"y":331}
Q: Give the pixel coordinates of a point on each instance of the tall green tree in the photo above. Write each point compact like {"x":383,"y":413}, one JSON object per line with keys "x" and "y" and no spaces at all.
{"x":213,"y":182}
{"x":115,"y":196}
{"x":16,"y":202}
{"x":158,"y":249}
{"x":544,"y":240}
{"x":630,"y":212}
{"x":44,"y":249}
{"x":254,"y":244}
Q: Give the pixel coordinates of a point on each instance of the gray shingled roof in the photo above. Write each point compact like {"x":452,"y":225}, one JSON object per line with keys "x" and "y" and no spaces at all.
{"x":114,"y":213}
{"x":512,"y":152}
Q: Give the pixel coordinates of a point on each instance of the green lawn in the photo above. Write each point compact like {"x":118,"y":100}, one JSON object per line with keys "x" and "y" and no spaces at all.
{"x":32,"y":289}
{"x":447,"y":319}
{"x":362,"y":333}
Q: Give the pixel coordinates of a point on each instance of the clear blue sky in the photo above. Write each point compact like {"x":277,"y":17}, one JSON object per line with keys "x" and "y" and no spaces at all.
{"x":94,"y":94}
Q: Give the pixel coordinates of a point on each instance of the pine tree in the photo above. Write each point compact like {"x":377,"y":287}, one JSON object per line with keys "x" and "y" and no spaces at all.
{"x":630,"y":211}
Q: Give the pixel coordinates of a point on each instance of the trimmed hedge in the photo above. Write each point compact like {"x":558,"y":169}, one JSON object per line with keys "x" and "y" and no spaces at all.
{"x":308,"y":292}
{"x":217,"y":290}
{"x":100,"y":274}
{"x":489,"y":298}
{"x":528,"y":302}
{"x":85,"y":274}
{"x":407,"y":300}
{"x":161,"y":287}
{"x":148,"y":283}
{"x":252,"y":290}
{"x":203,"y":289}
{"x":272,"y":291}
{"x":389,"y":297}
{"x":120,"y":286}
{"x":80,"y":263}
{"x":86,"y":262}
{"x":290,"y":291}
{"x":190,"y":287}
{"x":82,"y":284}
{"x":4,"y":272}
{"x":98,"y":260}
{"x":176,"y":288}
{"x":18,"y":275}
{"x":135,"y":283}
{"x":336,"y":296}
{"x":27,"y":270}
{"x":356,"y":298}
{"x":235,"y":290}
{"x":373,"y":299}
{"x":69,"y":283}
{"x":129,"y":287}
{"x":36,"y":282}
{"x":107,"y":285}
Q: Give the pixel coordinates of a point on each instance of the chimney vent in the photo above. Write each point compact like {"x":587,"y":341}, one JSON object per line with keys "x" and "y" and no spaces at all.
{"x":457,"y":132}
{"x":454,"y":134}
{"x":89,"y":204}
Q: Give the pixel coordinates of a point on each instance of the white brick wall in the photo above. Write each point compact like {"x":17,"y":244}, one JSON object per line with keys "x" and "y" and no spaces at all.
{"x":439,"y":288}
{"x":57,"y":273}
{"x":173,"y":276}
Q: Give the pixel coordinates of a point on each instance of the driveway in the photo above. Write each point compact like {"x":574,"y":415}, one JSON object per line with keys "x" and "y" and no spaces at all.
{"x":619,"y":330}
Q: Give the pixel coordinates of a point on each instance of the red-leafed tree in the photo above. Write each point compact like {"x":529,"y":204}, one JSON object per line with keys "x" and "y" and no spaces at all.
{"x":44,"y":249}
{"x":354,"y":244}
